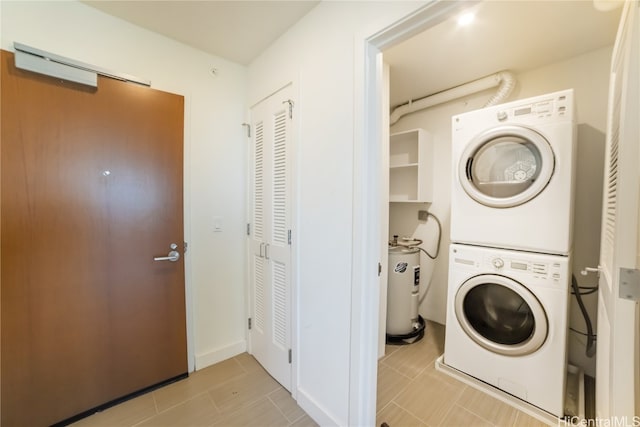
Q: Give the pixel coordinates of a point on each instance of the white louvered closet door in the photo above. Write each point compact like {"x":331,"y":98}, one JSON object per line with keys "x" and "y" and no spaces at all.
{"x":615,"y":367}
{"x":270,"y":248}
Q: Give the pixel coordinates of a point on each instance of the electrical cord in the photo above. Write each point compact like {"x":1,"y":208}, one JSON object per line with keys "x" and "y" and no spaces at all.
{"x":589,"y":290}
{"x":591,"y":338}
{"x":439,"y":237}
{"x":415,"y":243}
{"x":595,"y":337}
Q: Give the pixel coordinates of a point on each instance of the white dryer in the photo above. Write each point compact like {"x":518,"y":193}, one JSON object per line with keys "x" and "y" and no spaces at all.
{"x":507,"y":321}
{"x":513,"y":167}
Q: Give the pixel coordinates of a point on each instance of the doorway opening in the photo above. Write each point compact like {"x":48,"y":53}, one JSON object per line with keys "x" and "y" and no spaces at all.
{"x":436,"y":22}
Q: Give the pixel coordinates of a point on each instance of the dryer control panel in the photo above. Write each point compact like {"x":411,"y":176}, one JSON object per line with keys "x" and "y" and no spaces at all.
{"x":554,"y":106}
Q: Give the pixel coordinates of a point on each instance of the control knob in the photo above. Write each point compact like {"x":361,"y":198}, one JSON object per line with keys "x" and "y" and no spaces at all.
{"x":497,"y":262}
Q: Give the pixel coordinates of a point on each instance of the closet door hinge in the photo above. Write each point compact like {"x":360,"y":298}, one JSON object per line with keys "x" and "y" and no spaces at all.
{"x":379,"y":269}
{"x":290,"y":356}
{"x":290,"y":102}
{"x":629,"y":284}
{"x":248,"y":127}
{"x":289,"y":237}
{"x":249,"y":323}
{"x":248,"y":229}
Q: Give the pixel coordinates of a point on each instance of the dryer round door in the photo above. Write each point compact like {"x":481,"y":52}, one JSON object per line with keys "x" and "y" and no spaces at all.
{"x":506,"y":166}
{"x":501,"y":315}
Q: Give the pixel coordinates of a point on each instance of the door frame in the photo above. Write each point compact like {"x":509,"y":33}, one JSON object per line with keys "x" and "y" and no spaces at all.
{"x":368,"y":201}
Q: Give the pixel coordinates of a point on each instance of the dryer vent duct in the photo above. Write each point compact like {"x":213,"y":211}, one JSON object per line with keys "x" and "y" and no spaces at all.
{"x":504,"y":79}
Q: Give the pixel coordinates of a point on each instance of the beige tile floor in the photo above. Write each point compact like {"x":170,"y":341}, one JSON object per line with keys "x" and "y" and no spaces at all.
{"x":412,"y":393}
{"x":238,"y":392}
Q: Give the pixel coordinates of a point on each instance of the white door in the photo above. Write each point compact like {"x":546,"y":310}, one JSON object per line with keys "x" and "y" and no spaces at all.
{"x":270,"y":235}
{"x":615,"y":367}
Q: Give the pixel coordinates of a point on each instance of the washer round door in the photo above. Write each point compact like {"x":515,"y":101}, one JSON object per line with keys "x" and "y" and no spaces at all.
{"x":501,"y":315}
{"x":506,"y":166}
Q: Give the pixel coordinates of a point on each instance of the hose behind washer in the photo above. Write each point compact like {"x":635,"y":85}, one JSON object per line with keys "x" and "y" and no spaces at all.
{"x":591,"y":348}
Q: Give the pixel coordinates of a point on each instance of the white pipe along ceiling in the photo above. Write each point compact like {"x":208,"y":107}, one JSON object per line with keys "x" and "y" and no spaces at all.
{"x":505,"y":79}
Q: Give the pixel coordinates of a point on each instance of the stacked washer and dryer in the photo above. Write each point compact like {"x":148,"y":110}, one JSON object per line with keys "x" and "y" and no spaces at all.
{"x":510,"y":257}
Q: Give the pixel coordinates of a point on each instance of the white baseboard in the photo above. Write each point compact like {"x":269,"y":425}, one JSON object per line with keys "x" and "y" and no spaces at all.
{"x":315,"y":411}
{"x":218,"y":355}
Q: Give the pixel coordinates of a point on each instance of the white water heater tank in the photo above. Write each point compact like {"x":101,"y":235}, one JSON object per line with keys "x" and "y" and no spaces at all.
{"x":403,"y":290}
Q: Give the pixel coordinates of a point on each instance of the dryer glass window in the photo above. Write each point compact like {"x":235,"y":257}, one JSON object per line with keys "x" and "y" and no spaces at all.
{"x":499,"y":314}
{"x":505,"y":166}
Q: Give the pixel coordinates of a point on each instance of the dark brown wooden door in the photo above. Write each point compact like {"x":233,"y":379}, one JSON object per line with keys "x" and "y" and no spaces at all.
{"x":91,"y":190}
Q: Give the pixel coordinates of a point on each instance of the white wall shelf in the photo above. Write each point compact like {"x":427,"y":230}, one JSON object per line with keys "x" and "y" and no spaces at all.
{"x":411,"y":167}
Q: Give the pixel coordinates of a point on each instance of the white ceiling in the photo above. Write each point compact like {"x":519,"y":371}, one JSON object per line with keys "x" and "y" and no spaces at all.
{"x":506,"y":35}
{"x":237,"y":30}
{"x":514,"y":35}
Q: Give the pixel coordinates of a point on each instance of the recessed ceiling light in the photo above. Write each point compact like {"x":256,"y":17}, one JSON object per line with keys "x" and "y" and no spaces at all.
{"x":466,"y":19}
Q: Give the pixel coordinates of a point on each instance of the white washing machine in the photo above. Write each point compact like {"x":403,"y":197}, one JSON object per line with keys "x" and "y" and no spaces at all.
{"x":507,"y":321}
{"x":513,"y":182}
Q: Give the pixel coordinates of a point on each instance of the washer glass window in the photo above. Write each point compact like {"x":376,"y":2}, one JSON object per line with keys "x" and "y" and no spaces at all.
{"x":506,"y":166}
{"x":501,"y":315}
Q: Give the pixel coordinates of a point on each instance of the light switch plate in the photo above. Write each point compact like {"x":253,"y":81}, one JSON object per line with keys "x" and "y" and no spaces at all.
{"x":217,"y":224}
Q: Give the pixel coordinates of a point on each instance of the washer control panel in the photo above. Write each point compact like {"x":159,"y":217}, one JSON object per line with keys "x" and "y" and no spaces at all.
{"x":530,"y":269}
{"x":512,"y":266}
{"x":497,"y":263}
{"x":507,"y":264}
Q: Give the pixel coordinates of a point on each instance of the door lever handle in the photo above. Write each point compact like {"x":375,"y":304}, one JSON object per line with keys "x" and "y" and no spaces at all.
{"x":588,"y":270}
{"x":173,"y":257}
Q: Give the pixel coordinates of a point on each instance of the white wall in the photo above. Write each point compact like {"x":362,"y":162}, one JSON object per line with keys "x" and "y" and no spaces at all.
{"x":588,"y":74}
{"x":214,"y":148}
{"x":324,"y":52}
